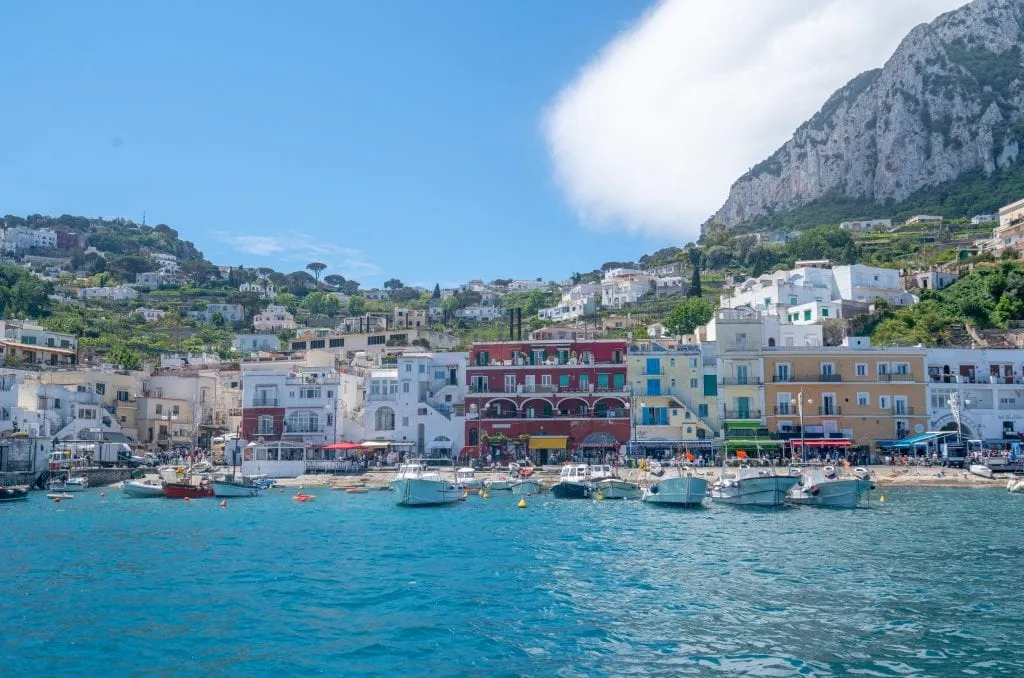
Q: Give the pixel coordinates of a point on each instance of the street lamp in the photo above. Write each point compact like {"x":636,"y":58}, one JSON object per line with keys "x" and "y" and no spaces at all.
{"x":799,"y":402}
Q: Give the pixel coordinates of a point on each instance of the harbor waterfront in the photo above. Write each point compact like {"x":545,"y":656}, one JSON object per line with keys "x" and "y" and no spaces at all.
{"x":351,"y":584}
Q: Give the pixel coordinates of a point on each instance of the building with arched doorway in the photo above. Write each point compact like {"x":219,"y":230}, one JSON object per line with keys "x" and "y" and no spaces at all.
{"x":988,"y":383}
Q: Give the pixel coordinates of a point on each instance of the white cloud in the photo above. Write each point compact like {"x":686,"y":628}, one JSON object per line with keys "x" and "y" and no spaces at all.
{"x":655,"y":129}
{"x":304,"y":248}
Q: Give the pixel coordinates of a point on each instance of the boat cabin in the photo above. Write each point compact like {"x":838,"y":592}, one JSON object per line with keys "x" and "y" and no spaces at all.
{"x":574,"y":473}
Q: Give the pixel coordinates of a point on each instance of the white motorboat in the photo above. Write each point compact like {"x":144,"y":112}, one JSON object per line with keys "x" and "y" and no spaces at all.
{"x":68,"y":483}
{"x":142,"y":489}
{"x":525,"y":486}
{"x":1015,"y":485}
{"x":615,"y":488}
{"x":686,"y":489}
{"x":231,"y":486}
{"x":749,"y":486}
{"x":981,"y":470}
{"x":824,"y":487}
{"x":416,"y":485}
{"x":467,"y":478}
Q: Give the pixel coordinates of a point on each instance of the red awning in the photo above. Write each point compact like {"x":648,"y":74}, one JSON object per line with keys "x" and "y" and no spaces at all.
{"x":823,"y":442}
{"x":342,"y":446}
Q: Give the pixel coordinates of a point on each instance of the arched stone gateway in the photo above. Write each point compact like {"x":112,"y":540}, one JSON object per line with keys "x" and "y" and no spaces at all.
{"x":968,"y":426}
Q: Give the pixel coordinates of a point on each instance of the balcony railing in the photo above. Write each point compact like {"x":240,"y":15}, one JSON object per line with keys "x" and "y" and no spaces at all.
{"x":302,"y":430}
{"x":782,"y":378}
{"x":786,"y":410}
{"x":563,"y":414}
{"x":896,"y":376}
{"x":264,"y":402}
{"x":742,"y":414}
{"x":830,"y":411}
{"x":902,"y":411}
{"x":381,"y":396}
{"x":522,"y":389}
{"x":741,"y":381}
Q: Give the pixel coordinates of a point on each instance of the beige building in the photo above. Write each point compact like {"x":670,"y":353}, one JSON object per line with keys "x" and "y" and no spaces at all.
{"x":164,"y":423}
{"x":117,"y":390}
{"x":851,"y":395}
{"x":1010,"y":232}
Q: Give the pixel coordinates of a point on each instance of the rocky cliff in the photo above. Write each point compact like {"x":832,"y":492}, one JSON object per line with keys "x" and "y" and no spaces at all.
{"x":949,"y":101}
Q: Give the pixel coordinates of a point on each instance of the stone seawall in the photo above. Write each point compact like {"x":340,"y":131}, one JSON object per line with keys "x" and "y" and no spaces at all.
{"x":99,"y":477}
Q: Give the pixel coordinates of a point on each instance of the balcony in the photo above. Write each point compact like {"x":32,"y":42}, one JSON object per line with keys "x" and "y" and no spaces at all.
{"x":741,"y":381}
{"x":264,"y":402}
{"x":830,"y":411}
{"x":786,"y":410}
{"x":782,"y":378}
{"x":381,"y":397}
{"x":302,"y":430}
{"x":742,"y":414}
{"x":560,"y":414}
{"x":897,"y":376}
{"x":902,"y":411}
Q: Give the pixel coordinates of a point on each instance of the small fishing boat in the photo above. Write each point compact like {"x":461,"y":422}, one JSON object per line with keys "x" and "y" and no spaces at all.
{"x":187,"y":490}
{"x":466,"y":477}
{"x":981,"y":470}
{"x":824,"y":487}
{"x":226,"y":485}
{"x":615,"y":488}
{"x":686,"y":489}
{"x":746,"y":485}
{"x":356,"y":490}
{"x":525,"y":486}
{"x":65,"y":482}
{"x":57,"y":496}
{"x":416,"y":485}
{"x":500,"y":484}
{"x":142,"y":489}
{"x":13,"y":493}
{"x":573,"y":483}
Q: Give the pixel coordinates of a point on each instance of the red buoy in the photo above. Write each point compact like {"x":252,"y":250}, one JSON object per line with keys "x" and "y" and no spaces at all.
{"x":224,"y":503}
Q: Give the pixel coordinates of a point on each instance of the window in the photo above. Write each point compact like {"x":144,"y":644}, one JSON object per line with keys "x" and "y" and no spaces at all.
{"x":316,"y":343}
{"x":405,"y":387}
{"x":863,"y":399}
{"x":408,"y":367}
{"x":335,"y":343}
{"x":792,"y":301}
{"x":378,"y":341}
{"x":423,"y":368}
{"x":422,"y":411}
{"x":265,"y":425}
{"x":405,"y":421}
{"x":510,"y":383}
{"x":693,"y":363}
{"x":101,"y":388}
{"x":883,"y":402}
{"x":563,"y":381}
{"x":882,"y":368}
{"x":807,"y":314}
{"x":122,"y":396}
{"x":900,"y":406}
{"x":901,"y":368}
{"x":303,"y":422}
{"x":159,"y":409}
{"x":824,"y":313}
{"x":384,"y":419}
{"x":828,"y":369}
{"x":176,"y":410}
{"x":782,"y":372}
{"x":702,"y":410}
{"x":861,"y":369}
{"x":693,"y":383}
{"x":309,"y":393}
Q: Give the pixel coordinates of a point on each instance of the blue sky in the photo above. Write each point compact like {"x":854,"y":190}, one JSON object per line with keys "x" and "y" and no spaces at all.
{"x":384,"y":138}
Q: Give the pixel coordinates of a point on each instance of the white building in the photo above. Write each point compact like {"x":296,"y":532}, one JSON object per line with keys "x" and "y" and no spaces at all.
{"x":989,"y":385}
{"x":275,"y":317}
{"x":116,"y":293}
{"x":23,"y":238}
{"x":774,"y":331}
{"x":624,"y":288}
{"x":422,"y":402}
{"x":865,"y":224}
{"x":771,"y":291}
{"x":670,"y":286}
{"x":480,"y":313}
{"x":244,"y":343}
{"x":924,"y":219}
{"x":231,"y":313}
{"x":264,"y":288}
{"x":151,"y":315}
{"x":34,"y":345}
{"x":578,"y":301}
{"x":526,"y":285}
{"x":867,"y":283}
{"x":979,"y":219}
{"x":1010,"y":232}
{"x":151,"y":279}
{"x":813,"y":312}
{"x":376,"y":295}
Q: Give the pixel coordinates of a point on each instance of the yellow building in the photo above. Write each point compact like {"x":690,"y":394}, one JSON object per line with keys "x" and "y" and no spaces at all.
{"x":851,"y":396}
{"x":117,"y":391}
{"x":674,"y":398}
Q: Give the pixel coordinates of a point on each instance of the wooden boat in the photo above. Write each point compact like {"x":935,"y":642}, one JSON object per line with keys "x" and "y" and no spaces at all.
{"x":187,"y":490}
{"x":13,"y":493}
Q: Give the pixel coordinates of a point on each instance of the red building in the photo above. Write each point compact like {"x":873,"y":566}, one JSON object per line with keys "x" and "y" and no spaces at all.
{"x":547,"y":399}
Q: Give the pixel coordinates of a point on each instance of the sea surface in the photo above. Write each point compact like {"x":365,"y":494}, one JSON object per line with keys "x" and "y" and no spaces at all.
{"x":926,"y":583}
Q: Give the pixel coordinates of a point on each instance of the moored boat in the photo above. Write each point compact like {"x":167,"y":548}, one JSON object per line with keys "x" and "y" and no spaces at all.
{"x":1015,"y":485}
{"x":416,"y":485}
{"x":525,"y":486}
{"x":752,"y":486}
{"x":685,"y":489}
{"x":824,"y":487}
{"x":573,"y":483}
{"x":981,"y":470}
{"x":13,"y":493}
{"x":65,"y":482}
{"x":231,"y":486}
{"x":615,"y":488}
{"x":187,"y":490}
{"x":467,"y":478}
{"x":141,"y":489}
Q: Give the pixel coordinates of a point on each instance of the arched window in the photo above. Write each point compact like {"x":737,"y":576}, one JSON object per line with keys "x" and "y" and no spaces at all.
{"x":474,"y":437}
{"x":385,"y":419}
{"x":771,"y":341}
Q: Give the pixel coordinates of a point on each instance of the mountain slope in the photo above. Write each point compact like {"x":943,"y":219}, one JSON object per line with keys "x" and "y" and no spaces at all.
{"x":949,"y":101}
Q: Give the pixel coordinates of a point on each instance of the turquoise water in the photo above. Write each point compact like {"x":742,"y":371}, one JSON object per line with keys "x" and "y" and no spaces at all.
{"x":926,"y":583}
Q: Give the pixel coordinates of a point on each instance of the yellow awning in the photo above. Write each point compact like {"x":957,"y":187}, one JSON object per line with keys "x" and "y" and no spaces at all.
{"x":548,"y":442}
